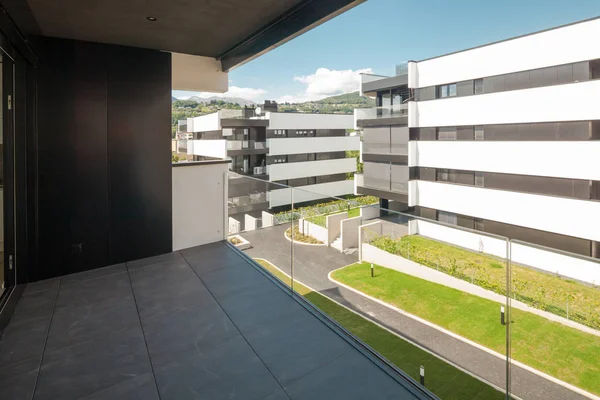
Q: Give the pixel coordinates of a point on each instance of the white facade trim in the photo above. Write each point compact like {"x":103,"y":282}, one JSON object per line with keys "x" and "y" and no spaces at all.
{"x":571,"y":217}
{"x":278,"y":172}
{"x":574,"y":160}
{"x":325,"y":144}
{"x":570,"y":102}
{"x":559,"y":46}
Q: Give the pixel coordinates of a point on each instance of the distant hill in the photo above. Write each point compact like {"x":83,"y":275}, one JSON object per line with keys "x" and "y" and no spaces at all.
{"x":235,"y":100}
{"x":340,"y":104}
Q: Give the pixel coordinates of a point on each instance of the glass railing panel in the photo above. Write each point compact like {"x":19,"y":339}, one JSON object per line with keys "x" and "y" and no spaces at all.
{"x":555,"y":323}
{"x":399,"y":110}
{"x":402,"y":68}
{"x":420,"y":293}
{"x":254,"y":224}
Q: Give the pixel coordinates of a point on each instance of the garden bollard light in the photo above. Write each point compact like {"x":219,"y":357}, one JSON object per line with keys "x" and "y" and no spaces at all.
{"x":372,"y":271}
{"x":502,"y":315}
{"x":422,"y":375}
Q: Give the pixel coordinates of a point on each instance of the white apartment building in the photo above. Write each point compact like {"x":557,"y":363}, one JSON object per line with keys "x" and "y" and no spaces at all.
{"x":307,"y":151}
{"x":503,"y":138}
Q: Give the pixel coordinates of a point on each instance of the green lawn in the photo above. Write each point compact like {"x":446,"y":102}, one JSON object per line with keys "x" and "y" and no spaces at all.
{"x":441,"y":378}
{"x":566,"y":353}
{"x":541,"y":290}
{"x":321,"y":220}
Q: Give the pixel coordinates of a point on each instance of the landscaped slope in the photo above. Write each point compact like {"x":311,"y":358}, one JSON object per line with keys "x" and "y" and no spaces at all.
{"x":563,"y":352}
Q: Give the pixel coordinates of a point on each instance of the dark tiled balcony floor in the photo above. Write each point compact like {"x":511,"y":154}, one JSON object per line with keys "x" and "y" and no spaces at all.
{"x":202,"y":323}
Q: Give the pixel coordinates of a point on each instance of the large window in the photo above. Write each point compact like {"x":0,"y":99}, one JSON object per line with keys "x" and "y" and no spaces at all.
{"x":446,"y":90}
{"x":446,"y":133}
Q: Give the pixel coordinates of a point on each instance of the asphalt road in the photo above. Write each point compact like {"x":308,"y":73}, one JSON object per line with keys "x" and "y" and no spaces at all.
{"x":312,"y":264}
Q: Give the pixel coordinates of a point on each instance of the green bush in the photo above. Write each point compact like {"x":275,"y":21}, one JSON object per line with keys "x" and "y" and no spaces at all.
{"x":541,"y":290}
{"x":324,"y":209}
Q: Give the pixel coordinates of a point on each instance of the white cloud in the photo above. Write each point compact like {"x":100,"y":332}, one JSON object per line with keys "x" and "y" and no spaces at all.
{"x":326,"y":82}
{"x":234,"y":91}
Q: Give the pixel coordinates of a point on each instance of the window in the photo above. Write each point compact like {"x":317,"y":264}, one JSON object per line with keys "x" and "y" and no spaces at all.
{"x":446,"y":90}
{"x":479,"y":135}
{"x":446,"y":133}
{"x":447,"y":217}
{"x":478,"y":224}
{"x":478,"y":86}
{"x":479,"y":179}
{"x":442,"y":175}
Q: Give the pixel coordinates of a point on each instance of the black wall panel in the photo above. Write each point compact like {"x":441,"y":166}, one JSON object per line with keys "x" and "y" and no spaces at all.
{"x":104,"y":155}
{"x":139,"y":130}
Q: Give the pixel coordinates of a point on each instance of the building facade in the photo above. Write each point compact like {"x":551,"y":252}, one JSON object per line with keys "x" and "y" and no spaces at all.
{"x":502,"y":138}
{"x":293,"y":149}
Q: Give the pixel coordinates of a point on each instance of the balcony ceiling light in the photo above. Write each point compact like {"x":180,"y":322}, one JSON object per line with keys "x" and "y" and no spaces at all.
{"x":151,"y":19}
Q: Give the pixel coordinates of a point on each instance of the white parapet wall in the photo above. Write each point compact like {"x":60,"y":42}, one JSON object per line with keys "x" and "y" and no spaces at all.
{"x":199,"y":204}
{"x":314,"y":230}
{"x":350,"y":232}
{"x":333,"y":226}
{"x":234,"y":226}
{"x":584,"y":270}
{"x":267,"y":219}
{"x":250,"y":223}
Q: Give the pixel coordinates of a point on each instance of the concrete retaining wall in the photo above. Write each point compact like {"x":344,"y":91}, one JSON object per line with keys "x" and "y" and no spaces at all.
{"x":250,"y":223}
{"x":350,"y":232}
{"x":267,"y":219}
{"x":333,"y":226}
{"x":314,"y":230}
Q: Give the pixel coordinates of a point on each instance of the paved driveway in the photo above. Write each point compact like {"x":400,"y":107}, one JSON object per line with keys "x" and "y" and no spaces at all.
{"x":312,"y":264}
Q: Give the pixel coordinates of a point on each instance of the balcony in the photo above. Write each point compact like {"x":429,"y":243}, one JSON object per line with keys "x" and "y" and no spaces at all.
{"x":387,"y":115}
{"x":203,"y":322}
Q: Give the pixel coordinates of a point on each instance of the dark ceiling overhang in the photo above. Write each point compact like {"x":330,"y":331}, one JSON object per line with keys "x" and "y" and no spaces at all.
{"x":233,"y":31}
{"x":302,"y":18}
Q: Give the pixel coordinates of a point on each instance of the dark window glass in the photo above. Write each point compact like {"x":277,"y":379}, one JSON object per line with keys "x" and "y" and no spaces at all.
{"x":478,"y":224}
{"x":446,"y":133}
{"x":479,"y":179}
{"x":478,"y":86}
{"x":536,"y":78}
{"x":564,"y":74}
{"x":452,"y":90}
{"x":442,"y":175}
{"x":511,"y":82}
{"x":550,"y":76}
{"x":447,"y":217}
{"x":479,"y":133}
{"x":523,"y":79}
{"x":581,"y":71}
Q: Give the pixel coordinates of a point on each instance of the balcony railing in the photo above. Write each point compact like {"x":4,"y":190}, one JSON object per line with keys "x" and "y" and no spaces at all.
{"x":402,"y":68}
{"x":465,"y":295}
{"x":260,"y":145}
{"x":399,"y":110}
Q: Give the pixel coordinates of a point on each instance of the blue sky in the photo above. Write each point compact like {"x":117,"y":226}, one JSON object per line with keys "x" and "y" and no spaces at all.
{"x":378,"y":34}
